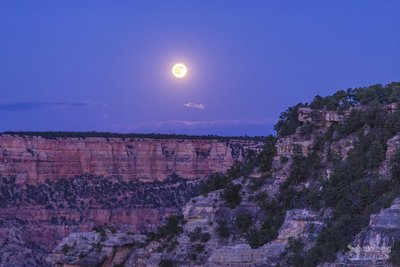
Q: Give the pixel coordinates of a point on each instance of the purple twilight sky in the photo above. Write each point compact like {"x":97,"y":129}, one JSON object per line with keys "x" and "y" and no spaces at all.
{"x":106,"y":65}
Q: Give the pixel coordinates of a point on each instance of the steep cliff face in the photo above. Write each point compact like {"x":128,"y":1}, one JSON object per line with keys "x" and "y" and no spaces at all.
{"x":34,"y":159}
{"x":373,"y":245}
{"x":52,"y":187}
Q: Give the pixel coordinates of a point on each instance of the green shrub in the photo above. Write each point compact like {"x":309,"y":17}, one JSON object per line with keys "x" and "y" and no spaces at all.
{"x":172,"y":245}
{"x":395,"y":253}
{"x":215,"y":182}
{"x":256,"y":183}
{"x":198,"y":235}
{"x":205,"y":237}
{"x":223,"y":229}
{"x":295,"y":252}
{"x":198,"y":248}
{"x":256,"y":238}
{"x":65,"y":249}
{"x":112,"y":229}
{"x":170,"y":229}
{"x":265,"y":158}
{"x":283,"y":159}
{"x":243,"y":222}
{"x":98,"y":246}
{"x":288,"y":122}
{"x":232,"y":195}
{"x":193,"y":256}
{"x":395,"y":166}
{"x":101,"y":231}
{"x":167,"y":263}
{"x":195,"y":235}
{"x":307,"y":128}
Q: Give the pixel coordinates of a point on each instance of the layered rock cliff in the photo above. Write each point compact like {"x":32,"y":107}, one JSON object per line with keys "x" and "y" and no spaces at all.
{"x":35,"y":159}
{"x":52,"y":187}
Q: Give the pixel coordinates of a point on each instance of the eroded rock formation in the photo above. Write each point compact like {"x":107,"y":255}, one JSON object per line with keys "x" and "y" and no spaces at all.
{"x":35,"y":159}
{"x":94,"y":248}
{"x":199,"y":213}
{"x":52,"y":187}
{"x":321,"y":117}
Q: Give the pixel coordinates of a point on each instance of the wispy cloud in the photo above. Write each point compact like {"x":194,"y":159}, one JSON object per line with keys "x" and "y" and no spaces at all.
{"x":194,"y":105}
{"x":228,"y":122}
{"x":152,"y":125}
{"x":37,"y":104}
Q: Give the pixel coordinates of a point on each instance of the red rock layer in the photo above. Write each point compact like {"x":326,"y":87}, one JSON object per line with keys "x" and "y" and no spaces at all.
{"x":35,"y":159}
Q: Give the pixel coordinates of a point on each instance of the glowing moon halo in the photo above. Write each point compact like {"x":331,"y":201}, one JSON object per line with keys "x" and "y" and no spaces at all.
{"x":179,"y":70}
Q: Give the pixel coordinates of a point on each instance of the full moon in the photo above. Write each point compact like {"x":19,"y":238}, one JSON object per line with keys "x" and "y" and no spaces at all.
{"x":179,"y":70}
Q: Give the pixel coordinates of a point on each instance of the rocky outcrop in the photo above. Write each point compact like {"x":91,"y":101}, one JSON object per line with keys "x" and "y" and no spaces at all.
{"x":202,"y":214}
{"x":94,"y":249}
{"x":300,"y":223}
{"x":244,"y":255}
{"x":327,"y":117}
{"x":286,"y":146}
{"x":35,"y":159}
{"x":88,"y":249}
{"x":320,"y":117}
{"x":393,"y":145}
{"x":372,"y":246}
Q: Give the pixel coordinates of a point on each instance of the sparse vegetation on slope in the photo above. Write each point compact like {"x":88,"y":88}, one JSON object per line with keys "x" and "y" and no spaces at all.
{"x":86,"y":191}
{"x":355,"y":188}
{"x":171,"y":228}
